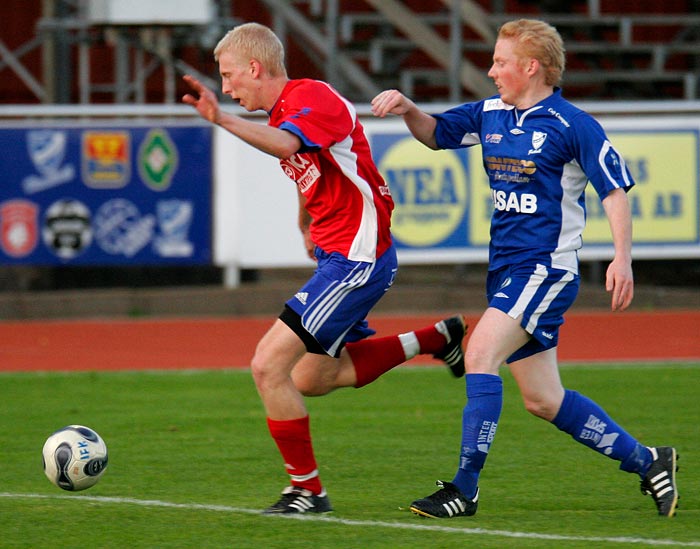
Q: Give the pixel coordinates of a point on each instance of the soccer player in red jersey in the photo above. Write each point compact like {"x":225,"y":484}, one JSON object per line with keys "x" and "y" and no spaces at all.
{"x":319,"y":342}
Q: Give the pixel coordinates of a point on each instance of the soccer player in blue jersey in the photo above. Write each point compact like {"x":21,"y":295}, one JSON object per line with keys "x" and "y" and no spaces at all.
{"x":539,"y":152}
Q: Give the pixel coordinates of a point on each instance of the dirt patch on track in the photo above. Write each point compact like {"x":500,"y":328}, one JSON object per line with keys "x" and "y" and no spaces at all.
{"x":230,"y":342}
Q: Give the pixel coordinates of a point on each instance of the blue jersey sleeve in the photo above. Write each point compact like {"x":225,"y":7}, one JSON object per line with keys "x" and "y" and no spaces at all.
{"x":459,"y":127}
{"x":600,"y":161}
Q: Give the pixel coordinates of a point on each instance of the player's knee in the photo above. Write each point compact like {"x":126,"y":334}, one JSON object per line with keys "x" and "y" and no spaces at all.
{"x":263,"y":370}
{"x":310,"y":388}
{"x":258,"y":370}
{"x":309,"y":383}
{"x":477,"y":362}
{"x":541,"y":408}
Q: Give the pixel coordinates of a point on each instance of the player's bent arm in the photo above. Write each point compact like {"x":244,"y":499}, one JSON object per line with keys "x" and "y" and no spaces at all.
{"x":619,"y":277}
{"x":422,"y":126}
{"x":617,"y":209}
{"x":268,"y":139}
{"x":419,"y":123}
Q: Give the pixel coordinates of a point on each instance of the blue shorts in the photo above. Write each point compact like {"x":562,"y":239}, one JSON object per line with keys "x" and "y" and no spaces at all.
{"x":537,"y":294}
{"x":334,"y":303}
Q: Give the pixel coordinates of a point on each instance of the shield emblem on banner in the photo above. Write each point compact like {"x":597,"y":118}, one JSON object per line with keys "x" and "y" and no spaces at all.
{"x":47,"y":149}
{"x":18,"y":227}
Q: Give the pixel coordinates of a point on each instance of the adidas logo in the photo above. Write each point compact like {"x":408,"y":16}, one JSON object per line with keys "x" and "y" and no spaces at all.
{"x":454,"y":507}
{"x":302,"y":297}
{"x":661,"y":484}
{"x":302,"y":504}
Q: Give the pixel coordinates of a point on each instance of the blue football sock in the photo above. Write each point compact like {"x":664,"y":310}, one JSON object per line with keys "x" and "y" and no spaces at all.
{"x":590,"y":425}
{"x":639,"y":461}
{"x":479,"y":422}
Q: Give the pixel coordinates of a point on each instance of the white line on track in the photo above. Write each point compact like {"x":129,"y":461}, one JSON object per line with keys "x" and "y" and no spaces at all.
{"x":361,"y":523}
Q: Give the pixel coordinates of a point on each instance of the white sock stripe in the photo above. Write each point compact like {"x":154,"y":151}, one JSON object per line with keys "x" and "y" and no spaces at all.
{"x":410,"y":344}
{"x":303,"y":478}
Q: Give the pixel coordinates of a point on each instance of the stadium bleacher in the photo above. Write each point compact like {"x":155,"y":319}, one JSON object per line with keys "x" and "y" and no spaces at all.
{"x":616,"y":50}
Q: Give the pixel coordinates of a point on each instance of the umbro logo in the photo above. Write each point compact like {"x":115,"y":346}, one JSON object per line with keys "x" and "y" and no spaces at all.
{"x":302,"y":297}
{"x":501,"y":294}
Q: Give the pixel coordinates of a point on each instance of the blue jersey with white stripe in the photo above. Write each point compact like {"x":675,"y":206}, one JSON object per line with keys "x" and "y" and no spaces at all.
{"x":538,"y":163}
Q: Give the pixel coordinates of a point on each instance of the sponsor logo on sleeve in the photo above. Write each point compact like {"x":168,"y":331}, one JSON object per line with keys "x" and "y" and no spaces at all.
{"x":496,"y":105}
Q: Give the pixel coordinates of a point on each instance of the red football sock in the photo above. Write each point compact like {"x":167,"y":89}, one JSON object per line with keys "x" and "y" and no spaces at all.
{"x":293,"y":438}
{"x":374,"y":357}
{"x":431,"y":341}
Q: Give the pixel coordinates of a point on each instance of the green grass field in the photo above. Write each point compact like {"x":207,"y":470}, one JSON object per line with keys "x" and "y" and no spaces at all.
{"x":191,"y":463}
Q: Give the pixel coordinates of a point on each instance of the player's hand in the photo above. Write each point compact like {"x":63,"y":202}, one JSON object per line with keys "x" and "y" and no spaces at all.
{"x":390,"y":102}
{"x":205,"y":101}
{"x":620,"y":283}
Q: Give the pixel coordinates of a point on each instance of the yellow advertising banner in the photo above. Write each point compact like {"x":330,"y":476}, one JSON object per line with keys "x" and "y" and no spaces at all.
{"x":665,"y":200}
{"x":443,"y":202}
{"x":482,"y":201}
{"x":664,"y":165}
{"x":430,"y":191}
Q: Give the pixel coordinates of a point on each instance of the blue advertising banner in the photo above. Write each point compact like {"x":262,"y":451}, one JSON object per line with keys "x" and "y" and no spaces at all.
{"x":87,"y":195}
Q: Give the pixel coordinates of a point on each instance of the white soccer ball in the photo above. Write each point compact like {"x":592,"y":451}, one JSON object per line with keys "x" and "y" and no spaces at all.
{"x":75,"y":457}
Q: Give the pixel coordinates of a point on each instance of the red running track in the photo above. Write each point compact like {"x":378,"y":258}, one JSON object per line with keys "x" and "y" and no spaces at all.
{"x":230,"y":342}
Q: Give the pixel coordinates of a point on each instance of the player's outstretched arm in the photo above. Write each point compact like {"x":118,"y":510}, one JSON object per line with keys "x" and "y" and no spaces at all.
{"x":270,"y":140}
{"x":205,"y":101}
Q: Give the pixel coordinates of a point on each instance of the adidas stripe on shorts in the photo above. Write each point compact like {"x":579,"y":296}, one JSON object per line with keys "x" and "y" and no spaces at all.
{"x":334,"y":303}
{"x":539,"y":295}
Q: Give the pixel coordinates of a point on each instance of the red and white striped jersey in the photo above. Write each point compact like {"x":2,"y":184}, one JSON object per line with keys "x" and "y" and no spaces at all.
{"x":347,"y":198}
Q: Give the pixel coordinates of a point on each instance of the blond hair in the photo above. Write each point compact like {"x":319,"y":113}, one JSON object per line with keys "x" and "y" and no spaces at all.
{"x":254,"y":41}
{"x":538,"y":40}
